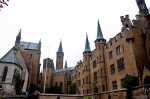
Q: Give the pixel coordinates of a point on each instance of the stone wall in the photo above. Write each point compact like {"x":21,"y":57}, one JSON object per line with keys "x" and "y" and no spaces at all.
{"x":138,"y":93}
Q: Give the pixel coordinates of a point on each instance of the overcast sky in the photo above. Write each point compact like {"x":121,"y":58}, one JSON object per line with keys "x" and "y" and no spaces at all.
{"x":66,"y":20}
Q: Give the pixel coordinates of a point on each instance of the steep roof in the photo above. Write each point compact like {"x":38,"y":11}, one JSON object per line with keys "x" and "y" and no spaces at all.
{"x":87,"y":45}
{"x":10,"y":57}
{"x":60,"y":49}
{"x":99,"y":32}
{"x":63,"y":70}
{"x":30,"y":45}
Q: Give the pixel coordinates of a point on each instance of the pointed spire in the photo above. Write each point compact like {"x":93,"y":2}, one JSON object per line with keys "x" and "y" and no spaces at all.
{"x":99,"y":32}
{"x":18,"y":38}
{"x":87,"y":45}
{"x":60,"y":47}
{"x":66,"y":64}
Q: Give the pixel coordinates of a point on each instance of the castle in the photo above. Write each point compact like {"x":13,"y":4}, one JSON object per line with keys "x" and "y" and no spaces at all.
{"x":106,"y":66}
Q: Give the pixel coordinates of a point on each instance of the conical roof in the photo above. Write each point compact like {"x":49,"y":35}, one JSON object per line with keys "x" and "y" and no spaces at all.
{"x":60,"y":49}
{"x":99,"y":32}
{"x":87,"y":45}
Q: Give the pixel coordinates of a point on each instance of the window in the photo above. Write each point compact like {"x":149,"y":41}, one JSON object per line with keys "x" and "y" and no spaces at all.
{"x":118,"y":49}
{"x":79,"y":74}
{"x":112,"y":68}
{"x":120,"y":64}
{"x":94,"y":63}
{"x":102,"y":72}
{"x":61,"y":86}
{"x":4,"y":73}
{"x":15,"y":72}
{"x":86,"y":79}
{"x":86,"y":67}
{"x":79,"y":83}
{"x":114,"y":84}
{"x":110,"y":55}
{"x":103,"y":87}
{"x":83,"y":81}
{"x":101,"y":59}
{"x":95,"y":76}
{"x":121,"y":83}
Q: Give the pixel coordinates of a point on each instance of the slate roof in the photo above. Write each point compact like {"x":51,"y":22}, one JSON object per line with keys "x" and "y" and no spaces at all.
{"x":99,"y":32}
{"x":87,"y":45}
{"x":60,"y":49}
{"x":30,"y":45}
{"x":10,"y":57}
{"x":63,"y":70}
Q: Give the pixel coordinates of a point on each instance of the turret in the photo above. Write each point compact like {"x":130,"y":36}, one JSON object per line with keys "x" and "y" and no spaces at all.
{"x":59,"y":57}
{"x":99,"y":39}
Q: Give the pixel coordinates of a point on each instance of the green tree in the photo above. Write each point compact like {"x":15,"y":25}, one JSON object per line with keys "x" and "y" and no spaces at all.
{"x":73,"y":88}
{"x":94,"y":87}
{"x":130,"y":81}
{"x":18,"y":83}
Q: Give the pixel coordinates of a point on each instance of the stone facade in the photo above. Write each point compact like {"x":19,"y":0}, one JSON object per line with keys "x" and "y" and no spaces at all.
{"x":22,"y":58}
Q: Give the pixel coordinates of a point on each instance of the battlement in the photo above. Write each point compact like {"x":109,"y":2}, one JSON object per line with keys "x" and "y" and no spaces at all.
{"x":124,"y":18}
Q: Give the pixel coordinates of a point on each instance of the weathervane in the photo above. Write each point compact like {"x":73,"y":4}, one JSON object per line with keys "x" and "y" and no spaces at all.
{"x":2,"y":3}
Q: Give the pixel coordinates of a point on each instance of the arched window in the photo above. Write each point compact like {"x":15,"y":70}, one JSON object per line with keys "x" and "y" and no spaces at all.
{"x":15,"y":72}
{"x":61,"y":85}
{"x":4,"y":73}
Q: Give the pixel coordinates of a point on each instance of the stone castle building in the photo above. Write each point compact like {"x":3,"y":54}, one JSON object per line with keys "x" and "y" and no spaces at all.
{"x":56,"y":80}
{"x":23,"y":57}
{"x":106,"y":66}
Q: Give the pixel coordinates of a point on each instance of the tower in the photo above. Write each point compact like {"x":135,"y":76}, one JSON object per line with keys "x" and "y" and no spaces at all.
{"x":48,"y":67}
{"x":59,"y":57}
{"x":142,"y":7}
{"x":99,"y":43}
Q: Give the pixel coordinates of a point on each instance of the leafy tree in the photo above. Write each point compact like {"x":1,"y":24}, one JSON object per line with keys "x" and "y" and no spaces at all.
{"x":94,"y":87}
{"x":73,"y":88}
{"x":130,"y":81}
{"x":18,"y":83}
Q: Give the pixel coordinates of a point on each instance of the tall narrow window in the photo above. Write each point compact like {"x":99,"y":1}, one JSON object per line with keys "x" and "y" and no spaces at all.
{"x":110,"y":55}
{"x":86,"y":79}
{"x":61,"y":85}
{"x":114,"y":85}
{"x":15,"y":72}
{"x":120,"y":64}
{"x":118,"y":49}
{"x":94,"y":63}
{"x":4,"y":73}
{"x":102,"y":72}
{"x":101,"y":59}
{"x":112,"y":68}
{"x":95,"y":76}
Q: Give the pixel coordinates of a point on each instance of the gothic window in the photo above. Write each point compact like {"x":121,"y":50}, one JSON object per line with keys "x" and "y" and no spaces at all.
{"x":95,"y":76}
{"x":61,"y":86}
{"x":15,"y":72}
{"x":118,"y":49}
{"x":87,"y":79}
{"x":110,"y":55}
{"x":103,"y":88}
{"x":114,"y":85}
{"x":102,"y":72}
{"x":4,"y":73}
{"x":120,"y":64}
{"x":101,"y":59}
{"x":94,"y":63}
{"x":112,"y":68}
